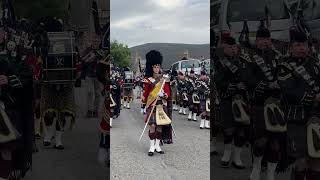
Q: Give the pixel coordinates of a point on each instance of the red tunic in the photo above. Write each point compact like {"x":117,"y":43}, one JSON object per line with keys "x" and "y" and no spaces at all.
{"x":148,"y":86}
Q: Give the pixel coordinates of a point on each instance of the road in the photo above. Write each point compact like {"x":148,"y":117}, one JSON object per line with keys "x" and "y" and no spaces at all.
{"x":79,"y":159}
{"x":233,"y":174}
{"x":186,"y":159}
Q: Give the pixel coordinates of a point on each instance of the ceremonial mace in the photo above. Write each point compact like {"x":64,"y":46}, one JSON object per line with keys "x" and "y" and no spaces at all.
{"x":164,"y":81}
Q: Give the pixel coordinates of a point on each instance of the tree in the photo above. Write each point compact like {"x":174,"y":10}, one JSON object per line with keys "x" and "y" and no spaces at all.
{"x":35,"y":9}
{"x":120,"y":54}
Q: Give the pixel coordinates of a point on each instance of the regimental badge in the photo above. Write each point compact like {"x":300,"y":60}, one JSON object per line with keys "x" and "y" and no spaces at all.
{"x":11,"y":45}
{"x":59,"y":61}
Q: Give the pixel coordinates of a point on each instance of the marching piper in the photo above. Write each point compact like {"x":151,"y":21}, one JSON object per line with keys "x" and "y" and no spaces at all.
{"x":204,"y":96}
{"x":194,"y":101}
{"x":230,"y":85}
{"x":182,"y":93}
{"x":299,"y":80}
{"x":267,"y":119}
{"x":156,"y":91}
{"x":103,"y":76}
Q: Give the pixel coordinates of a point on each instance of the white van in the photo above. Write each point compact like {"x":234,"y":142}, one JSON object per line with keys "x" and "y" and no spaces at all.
{"x":228,"y":15}
{"x":184,"y":65}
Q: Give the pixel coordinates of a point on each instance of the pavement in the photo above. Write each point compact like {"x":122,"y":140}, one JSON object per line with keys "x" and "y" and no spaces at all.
{"x":79,"y":159}
{"x":186,"y":159}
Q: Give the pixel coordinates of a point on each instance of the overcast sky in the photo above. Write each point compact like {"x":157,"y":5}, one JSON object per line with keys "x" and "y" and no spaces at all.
{"x":135,"y":22}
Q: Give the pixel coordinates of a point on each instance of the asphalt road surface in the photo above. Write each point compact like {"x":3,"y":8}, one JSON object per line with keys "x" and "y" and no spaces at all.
{"x":79,"y":159}
{"x":188,"y":158}
{"x":219,"y":173}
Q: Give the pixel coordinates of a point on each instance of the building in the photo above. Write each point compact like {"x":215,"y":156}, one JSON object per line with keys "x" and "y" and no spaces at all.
{"x":82,"y":21}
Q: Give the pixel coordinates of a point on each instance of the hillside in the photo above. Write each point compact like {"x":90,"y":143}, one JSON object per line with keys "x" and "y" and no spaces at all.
{"x":171,"y":52}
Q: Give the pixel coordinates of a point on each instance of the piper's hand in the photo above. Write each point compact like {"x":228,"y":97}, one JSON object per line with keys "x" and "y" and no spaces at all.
{"x":166,"y":76}
{"x":161,"y":94}
{"x":3,"y":80}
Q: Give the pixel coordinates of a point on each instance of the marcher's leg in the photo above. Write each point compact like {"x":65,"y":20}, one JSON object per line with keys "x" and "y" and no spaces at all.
{"x":152,"y":136}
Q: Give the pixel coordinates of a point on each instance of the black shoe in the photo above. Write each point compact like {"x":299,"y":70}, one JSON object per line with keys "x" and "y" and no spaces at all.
{"x":195,"y":120}
{"x":150,"y":153}
{"x":46,"y":144}
{"x":90,"y":114}
{"x":160,"y":152}
{"x":213,"y":153}
{"x":238,"y":166}
{"x":189,"y":119}
{"x":201,"y":127}
{"x":224,"y":164}
{"x":60,"y":147}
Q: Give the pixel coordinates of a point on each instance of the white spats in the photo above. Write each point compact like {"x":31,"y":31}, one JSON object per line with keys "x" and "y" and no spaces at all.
{"x":195,"y":116}
{"x":207,"y":124}
{"x":270,"y":171}
{"x":237,"y":156}
{"x":142,"y":110}
{"x":185,"y":111}
{"x":227,"y":153}
{"x":190,"y":115}
{"x":157,"y":145}
{"x":202,"y":124}
{"x":128,"y":105}
{"x":111,"y":122}
{"x":181,"y":110}
{"x":175,"y":108}
{"x":48,"y":134}
{"x":152,"y":146}
{"x":59,"y":138}
{"x":256,"y":170}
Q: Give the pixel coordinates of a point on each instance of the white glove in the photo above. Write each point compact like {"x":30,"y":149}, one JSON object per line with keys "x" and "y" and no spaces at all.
{"x":161,"y":94}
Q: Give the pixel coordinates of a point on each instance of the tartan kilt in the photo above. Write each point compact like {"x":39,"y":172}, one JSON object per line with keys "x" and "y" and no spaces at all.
{"x":57,"y":100}
{"x":105,"y":121}
{"x":174,"y":94}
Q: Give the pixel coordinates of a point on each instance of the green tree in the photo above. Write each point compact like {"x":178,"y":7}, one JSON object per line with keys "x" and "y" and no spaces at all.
{"x":120,"y":53}
{"x":36,"y":9}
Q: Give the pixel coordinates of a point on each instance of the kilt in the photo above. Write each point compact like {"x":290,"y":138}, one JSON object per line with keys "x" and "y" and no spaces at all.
{"x":174,"y":94}
{"x":105,"y":121}
{"x":61,"y":100}
{"x":227,"y":119}
{"x":258,"y":122}
{"x":127,"y":92}
{"x":297,"y":140}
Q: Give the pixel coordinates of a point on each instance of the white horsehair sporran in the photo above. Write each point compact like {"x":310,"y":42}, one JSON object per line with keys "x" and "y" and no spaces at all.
{"x":161,"y":117}
{"x":313,"y":137}
{"x":240,"y":110}
{"x":273,"y":116}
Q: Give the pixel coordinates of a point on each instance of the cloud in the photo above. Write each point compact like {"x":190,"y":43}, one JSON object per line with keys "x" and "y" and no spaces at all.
{"x":173,"y":21}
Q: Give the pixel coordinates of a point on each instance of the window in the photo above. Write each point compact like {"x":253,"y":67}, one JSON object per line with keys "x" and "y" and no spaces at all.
{"x":215,"y":13}
{"x":238,"y":10}
{"x":175,"y":67}
{"x":190,"y":64}
{"x":311,"y":9}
